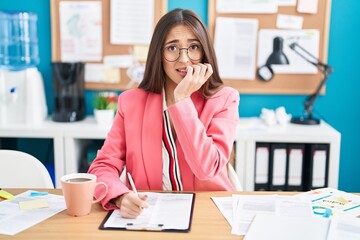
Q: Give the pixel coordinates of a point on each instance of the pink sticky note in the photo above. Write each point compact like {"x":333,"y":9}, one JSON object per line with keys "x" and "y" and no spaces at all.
{"x":307,"y":6}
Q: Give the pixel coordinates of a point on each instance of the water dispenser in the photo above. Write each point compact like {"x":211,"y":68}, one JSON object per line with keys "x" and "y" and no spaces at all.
{"x":22,"y":95}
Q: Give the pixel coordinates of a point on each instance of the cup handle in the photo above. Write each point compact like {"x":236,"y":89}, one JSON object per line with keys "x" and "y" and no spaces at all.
{"x":102,"y":196}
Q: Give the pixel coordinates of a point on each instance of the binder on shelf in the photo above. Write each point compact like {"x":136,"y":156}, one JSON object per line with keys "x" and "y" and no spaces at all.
{"x":295,"y":167}
{"x":316,"y":166}
{"x":262,"y":159}
{"x":278,"y":165}
{"x":317,"y":170}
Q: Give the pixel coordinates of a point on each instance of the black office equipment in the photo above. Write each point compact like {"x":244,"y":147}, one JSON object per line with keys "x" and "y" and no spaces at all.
{"x":69,"y":104}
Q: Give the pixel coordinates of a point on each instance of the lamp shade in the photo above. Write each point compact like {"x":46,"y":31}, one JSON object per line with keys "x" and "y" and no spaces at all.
{"x":277,"y":56}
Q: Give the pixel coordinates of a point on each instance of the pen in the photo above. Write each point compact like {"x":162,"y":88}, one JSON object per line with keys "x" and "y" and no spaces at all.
{"x":132,"y":183}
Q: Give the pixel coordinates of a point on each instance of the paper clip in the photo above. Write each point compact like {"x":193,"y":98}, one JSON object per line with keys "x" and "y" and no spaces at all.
{"x":147,"y":227}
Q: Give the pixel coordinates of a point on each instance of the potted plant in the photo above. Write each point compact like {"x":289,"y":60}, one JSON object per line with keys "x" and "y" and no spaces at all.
{"x":105,"y":106}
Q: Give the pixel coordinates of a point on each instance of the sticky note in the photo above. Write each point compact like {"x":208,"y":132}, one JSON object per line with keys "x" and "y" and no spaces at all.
{"x":35,"y":194}
{"x":6,"y":195}
{"x":307,"y":6}
{"x":33,"y":204}
{"x":140,"y":52}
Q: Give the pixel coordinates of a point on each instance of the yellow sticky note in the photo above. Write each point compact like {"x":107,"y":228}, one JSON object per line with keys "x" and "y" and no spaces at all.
{"x":6,"y":195}
{"x":112,"y":75}
{"x":33,"y":204}
{"x":140,"y":52}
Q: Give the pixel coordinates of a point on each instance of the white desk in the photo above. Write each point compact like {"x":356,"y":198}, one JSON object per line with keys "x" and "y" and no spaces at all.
{"x":69,"y":139}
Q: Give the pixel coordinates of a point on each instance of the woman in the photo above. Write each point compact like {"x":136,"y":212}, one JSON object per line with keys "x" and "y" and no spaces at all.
{"x":176,"y":130}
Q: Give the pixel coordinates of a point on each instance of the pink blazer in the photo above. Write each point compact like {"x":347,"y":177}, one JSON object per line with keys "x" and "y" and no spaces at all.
{"x":205,"y":130}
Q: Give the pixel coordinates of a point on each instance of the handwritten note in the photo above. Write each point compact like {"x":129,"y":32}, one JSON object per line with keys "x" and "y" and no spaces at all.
{"x":131,"y":22}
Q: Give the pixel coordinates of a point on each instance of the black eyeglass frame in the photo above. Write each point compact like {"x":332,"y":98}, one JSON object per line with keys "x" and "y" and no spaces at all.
{"x":187,"y":53}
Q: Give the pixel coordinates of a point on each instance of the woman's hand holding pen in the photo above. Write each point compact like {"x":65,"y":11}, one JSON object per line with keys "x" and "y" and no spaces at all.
{"x":131,"y":204}
{"x":195,"y":77}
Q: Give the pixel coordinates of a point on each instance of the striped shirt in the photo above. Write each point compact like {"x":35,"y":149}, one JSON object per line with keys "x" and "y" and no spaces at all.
{"x":171,"y":176}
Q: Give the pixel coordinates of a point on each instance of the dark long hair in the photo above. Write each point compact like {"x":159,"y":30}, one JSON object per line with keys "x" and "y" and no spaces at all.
{"x":154,"y":76}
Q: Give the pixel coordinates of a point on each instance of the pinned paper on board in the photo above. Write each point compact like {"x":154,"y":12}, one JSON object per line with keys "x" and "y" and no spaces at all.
{"x":102,"y":73}
{"x":141,"y":52}
{"x":286,"y":2}
{"x":235,"y":46}
{"x":246,"y":6}
{"x":80,"y":31}
{"x":308,"y":6}
{"x":131,"y":22}
{"x":289,"y":21}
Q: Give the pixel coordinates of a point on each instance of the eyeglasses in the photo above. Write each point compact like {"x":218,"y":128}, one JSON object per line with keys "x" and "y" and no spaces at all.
{"x":172,"y":53}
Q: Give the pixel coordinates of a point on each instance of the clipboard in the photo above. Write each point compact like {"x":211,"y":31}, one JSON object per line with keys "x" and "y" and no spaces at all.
{"x":167,"y":212}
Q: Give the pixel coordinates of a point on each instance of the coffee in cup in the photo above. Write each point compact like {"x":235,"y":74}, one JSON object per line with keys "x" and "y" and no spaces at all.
{"x":78,"y":190}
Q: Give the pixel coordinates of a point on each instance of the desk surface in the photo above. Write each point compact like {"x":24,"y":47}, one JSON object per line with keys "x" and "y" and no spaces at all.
{"x":207,"y":223}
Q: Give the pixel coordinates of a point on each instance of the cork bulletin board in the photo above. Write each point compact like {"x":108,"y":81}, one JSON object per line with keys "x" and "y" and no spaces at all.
{"x":282,"y":83}
{"x":160,"y":8}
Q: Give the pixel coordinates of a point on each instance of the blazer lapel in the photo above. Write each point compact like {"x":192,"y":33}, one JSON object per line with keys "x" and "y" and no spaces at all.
{"x":152,"y":140}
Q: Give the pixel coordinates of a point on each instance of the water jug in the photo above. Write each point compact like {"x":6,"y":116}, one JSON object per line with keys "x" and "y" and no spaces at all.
{"x":18,"y":40}
{"x":22,"y":95}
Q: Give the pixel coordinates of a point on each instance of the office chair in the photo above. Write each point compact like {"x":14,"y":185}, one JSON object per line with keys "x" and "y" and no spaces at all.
{"x":234,"y":177}
{"x":21,"y":170}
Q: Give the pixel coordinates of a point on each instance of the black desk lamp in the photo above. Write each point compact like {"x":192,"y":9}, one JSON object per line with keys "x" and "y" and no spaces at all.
{"x":266,"y":73}
{"x":310,"y":100}
{"x":277,"y":56}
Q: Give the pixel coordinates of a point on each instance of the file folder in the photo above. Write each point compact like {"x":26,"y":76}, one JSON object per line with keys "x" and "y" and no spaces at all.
{"x":317,"y":166}
{"x":278,"y":166}
{"x":262,"y":158}
{"x":295,"y":167}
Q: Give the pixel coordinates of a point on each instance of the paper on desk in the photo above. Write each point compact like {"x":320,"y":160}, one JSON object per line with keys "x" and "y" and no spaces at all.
{"x":344,"y":228}
{"x":14,"y":220}
{"x":336,"y":202}
{"x":247,"y":206}
{"x":271,"y":226}
{"x":225,"y":205}
{"x":298,"y":228}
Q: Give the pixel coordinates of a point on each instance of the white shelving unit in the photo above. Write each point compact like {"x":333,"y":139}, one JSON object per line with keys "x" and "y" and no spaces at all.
{"x":251,"y":131}
{"x":70,"y":138}
{"x":47,"y":130}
